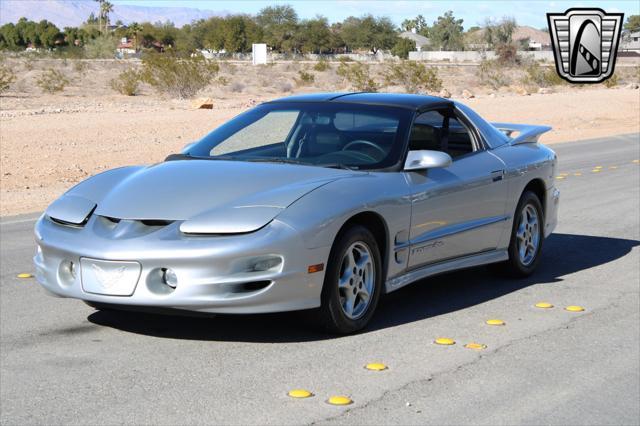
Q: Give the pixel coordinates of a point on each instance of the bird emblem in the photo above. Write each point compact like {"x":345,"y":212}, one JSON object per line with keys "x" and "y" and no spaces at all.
{"x":108,"y":279}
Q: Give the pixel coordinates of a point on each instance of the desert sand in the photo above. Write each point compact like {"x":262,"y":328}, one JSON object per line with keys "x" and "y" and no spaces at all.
{"x":48,"y":143}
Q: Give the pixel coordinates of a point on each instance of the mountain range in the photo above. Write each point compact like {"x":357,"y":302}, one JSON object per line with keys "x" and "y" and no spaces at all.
{"x":65,"y":13}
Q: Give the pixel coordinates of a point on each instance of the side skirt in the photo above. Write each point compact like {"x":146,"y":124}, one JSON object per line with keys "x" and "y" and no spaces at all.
{"x":446,"y":266}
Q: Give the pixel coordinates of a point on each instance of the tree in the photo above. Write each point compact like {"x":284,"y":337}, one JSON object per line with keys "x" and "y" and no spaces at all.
{"x":499,"y":36}
{"x":418,"y":23}
{"x":402,"y":48}
{"x":446,"y":32}
{"x":49,"y":35}
{"x":314,"y":36}
{"x":105,"y":9}
{"x":134,"y":30}
{"x":633,"y":23}
{"x":279,"y":24}
{"x":10,"y":37}
{"x":499,"y":32}
{"x":368,"y":33}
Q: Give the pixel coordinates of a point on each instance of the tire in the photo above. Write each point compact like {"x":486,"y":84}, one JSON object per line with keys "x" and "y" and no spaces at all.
{"x":344,"y":309}
{"x":519,"y":264}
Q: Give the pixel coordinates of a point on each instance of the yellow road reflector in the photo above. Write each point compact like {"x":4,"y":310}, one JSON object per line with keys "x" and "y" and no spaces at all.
{"x":25,"y":275}
{"x":596,"y":170}
{"x":476,"y":346}
{"x":444,"y":341}
{"x":375,"y":366}
{"x":636,"y":161}
{"x":563,"y":174}
{"x":577,"y":174}
{"x":299,"y":393}
{"x":597,"y":167}
{"x":339,"y":400}
{"x":613,"y":167}
{"x":544,"y":305}
{"x":495,"y":322}
{"x":559,"y":177}
{"x":574,"y":308}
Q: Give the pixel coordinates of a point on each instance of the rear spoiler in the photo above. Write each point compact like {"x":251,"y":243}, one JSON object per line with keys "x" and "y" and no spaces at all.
{"x":526,"y":133}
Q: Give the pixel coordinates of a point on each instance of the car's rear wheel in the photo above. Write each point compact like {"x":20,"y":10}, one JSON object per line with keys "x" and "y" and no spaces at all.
{"x":527,"y":236}
{"x":352,"y":283}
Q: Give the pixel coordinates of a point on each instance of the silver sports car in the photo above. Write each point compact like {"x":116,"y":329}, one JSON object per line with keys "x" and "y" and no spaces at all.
{"x":323,"y":202}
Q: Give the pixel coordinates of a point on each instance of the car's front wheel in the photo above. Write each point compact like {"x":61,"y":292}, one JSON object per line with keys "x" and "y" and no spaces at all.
{"x":352,"y":283}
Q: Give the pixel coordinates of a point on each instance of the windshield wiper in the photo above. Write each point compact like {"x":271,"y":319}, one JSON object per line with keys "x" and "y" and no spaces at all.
{"x":276,"y":160}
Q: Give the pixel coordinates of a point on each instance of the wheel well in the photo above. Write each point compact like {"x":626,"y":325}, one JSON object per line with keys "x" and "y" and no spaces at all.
{"x":537,"y":187}
{"x":378,"y":227}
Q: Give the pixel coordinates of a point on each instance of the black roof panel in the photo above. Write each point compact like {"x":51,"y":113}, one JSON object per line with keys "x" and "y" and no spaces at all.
{"x":388,"y":99}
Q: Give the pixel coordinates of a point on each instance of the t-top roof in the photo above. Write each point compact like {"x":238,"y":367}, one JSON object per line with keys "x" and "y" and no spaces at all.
{"x":367,"y":98}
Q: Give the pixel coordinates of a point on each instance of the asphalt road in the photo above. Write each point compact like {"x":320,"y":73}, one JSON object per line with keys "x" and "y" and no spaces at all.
{"x":63,"y":362}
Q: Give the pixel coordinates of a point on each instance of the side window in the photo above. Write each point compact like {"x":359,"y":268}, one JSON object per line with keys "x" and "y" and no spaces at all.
{"x":440,"y":130}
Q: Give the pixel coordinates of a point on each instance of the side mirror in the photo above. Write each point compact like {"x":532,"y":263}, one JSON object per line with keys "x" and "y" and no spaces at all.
{"x":421,"y":160}
{"x":187,"y":147}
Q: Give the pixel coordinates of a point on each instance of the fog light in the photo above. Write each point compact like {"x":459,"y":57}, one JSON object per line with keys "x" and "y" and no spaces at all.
{"x":265,"y":264}
{"x":69,"y":267}
{"x":169,"y":277}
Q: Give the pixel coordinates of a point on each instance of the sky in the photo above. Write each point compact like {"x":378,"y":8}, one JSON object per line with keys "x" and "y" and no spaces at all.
{"x":532,"y":13}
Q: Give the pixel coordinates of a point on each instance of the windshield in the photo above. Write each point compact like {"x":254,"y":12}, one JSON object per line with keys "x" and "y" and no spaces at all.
{"x":329,"y":134}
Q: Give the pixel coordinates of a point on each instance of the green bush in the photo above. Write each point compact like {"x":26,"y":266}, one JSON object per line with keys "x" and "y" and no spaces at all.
{"x":7,"y":76}
{"x":541,"y":76}
{"x":413,"y":76}
{"x":178,"y":77}
{"x":402,"y":48}
{"x":357,"y":74}
{"x":305,"y":78}
{"x":103,"y":47}
{"x":490,"y":73}
{"x":52,"y":81}
{"x":127,"y":82}
{"x":322,"y":65}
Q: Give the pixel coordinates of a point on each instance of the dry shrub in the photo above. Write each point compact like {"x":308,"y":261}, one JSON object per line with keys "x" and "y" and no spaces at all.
{"x":322,"y":65}
{"x":490,"y":73}
{"x":52,"y":81}
{"x":541,"y":76}
{"x":127,"y":82}
{"x":305,"y":78}
{"x":357,"y":74}
{"x":611,"y":81}
{"x":7,"y":76}
{"x":237,"y":87}
{"x":80,"y":66}
{"x":413,"y":76}
{"x":178,"y":77}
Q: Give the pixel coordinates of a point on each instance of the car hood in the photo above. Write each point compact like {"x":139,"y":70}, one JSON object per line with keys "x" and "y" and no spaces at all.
{"x":207,"y":191}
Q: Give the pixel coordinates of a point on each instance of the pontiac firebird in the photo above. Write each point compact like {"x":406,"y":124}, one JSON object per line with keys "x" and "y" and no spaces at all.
{"x":319,"y":202}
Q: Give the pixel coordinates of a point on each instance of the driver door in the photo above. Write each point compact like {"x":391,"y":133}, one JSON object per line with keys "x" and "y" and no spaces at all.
{"x":458,"y":210}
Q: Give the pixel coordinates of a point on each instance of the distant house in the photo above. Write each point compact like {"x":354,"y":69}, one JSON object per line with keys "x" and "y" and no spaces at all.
{"x":630,"y":42}
{"x":422,"y":43}
{"x":126,"y":47}
{"x":529,"y":38}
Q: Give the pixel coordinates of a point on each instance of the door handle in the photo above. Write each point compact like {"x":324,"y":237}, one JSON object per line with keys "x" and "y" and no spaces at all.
{"x":497,"y":175}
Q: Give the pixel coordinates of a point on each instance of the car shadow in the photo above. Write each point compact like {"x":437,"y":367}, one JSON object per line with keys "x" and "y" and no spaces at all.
{"x":563,"y":254}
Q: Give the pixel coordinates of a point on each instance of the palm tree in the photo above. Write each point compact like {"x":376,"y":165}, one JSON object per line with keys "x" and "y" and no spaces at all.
{"x":135,"y":28}
{"x":99,"y":14}
{"x":105,"y":9}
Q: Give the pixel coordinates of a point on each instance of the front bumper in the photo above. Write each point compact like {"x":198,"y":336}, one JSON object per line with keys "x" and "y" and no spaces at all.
{"x":552,"y":207}
{"x":211,"y":270}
